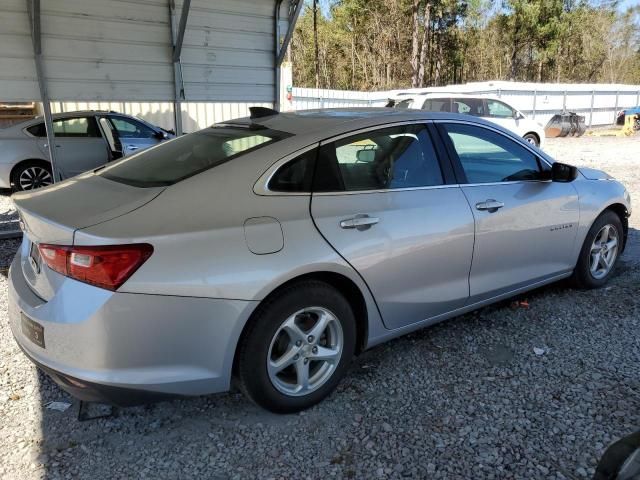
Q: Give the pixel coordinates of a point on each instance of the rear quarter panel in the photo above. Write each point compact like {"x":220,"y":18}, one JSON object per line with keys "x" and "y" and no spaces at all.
{"x":200,"y":250}
{"x":13,"y":151}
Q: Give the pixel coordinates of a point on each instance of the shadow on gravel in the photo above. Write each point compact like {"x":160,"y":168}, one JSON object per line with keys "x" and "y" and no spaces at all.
{"x":521,"y":389}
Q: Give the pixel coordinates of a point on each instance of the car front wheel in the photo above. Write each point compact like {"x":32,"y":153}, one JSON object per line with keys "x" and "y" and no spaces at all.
{"x":600,"y":251}
{"x":297,"y":347}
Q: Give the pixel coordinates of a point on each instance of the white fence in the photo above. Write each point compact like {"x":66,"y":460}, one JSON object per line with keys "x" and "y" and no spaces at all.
{"x":599,"y":103}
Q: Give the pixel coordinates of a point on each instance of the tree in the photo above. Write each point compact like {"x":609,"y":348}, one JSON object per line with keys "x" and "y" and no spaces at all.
{"x":385,"y":44}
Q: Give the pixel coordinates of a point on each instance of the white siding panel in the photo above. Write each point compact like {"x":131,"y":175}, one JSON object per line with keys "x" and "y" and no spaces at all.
{"x":228,"y":51}
{"x":121,"y":49}
{"x":628,"y":100}
{"x":18,"y":79}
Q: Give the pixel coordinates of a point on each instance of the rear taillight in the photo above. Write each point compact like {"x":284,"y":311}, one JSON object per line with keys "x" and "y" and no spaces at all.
{"x":103,"y":266}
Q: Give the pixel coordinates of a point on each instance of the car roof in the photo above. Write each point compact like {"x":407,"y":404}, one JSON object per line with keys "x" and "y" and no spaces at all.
{"x":17,"y":127}
{"x":76,"y":113}
{"x":425,"y":95}
{"x":324,"y":123}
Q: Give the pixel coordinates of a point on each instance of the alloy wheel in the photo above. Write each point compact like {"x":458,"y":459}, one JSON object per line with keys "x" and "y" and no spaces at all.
{"x":34,"y":177}
{"x":305,"y":351}
{"x":604,"y":251}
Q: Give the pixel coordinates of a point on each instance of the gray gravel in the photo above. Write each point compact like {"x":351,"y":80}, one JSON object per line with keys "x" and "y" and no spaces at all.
{"x":8,"y":214}
{"x":469,"y":398}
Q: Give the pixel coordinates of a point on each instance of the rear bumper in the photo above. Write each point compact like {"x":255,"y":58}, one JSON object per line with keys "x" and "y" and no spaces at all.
{"x":95,"y":392}
{"x":125,"y":348}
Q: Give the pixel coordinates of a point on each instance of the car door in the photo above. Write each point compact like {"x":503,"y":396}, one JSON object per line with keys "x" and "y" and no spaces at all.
{"x":133,"y":134}
{"x":383,"y":201}
{"x":525,"y":225}
{"x":79,"y":145}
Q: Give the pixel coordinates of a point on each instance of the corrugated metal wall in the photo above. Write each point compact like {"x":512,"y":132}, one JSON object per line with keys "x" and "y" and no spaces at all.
{"x":121,"y":50}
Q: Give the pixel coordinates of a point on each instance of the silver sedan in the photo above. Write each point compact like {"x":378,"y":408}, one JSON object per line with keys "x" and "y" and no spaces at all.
{"x":272,"y":249}
{"x":83,"y":141}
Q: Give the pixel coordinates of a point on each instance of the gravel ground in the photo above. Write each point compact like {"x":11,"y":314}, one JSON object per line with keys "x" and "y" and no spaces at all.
{"x":468,"y":398}
{"x":8,"y":214}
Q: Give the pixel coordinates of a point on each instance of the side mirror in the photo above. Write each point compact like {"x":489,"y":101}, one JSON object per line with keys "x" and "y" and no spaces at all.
{"x":517,"y":115}
{"x":561,"y":172}
{"x":161,"y":135}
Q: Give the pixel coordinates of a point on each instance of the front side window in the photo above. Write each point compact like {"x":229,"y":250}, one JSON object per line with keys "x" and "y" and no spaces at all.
{"x":177,"y":159}
{"x":128,"y":128}
{"x":487,"y":156}
{"x":68,"y":127}
{"x":390,"y":158}
{"x":499,"y":110}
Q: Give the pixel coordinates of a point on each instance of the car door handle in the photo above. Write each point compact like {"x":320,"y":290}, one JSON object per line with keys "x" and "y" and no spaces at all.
{"x":359,"y":222}
{"x":489,"y":205}
{"x":132,"y":147}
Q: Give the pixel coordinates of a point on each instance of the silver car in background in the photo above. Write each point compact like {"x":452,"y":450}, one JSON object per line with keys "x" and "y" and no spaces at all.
{"x":272,"y":249}
{"x":83,"y":140}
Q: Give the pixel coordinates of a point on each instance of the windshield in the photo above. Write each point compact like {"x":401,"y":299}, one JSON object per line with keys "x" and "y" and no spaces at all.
{"x":189,"y":155}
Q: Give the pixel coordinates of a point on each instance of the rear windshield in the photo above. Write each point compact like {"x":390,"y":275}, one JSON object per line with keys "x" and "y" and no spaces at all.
{"x":189,"y":155}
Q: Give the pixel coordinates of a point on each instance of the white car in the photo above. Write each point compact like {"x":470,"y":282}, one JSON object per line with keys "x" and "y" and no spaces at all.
{"x":83,"y":140}
{"x":490,"y":108}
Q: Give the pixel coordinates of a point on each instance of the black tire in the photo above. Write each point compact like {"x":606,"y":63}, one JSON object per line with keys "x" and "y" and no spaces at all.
{"x":532,"y":138}
{"x":40,"y":168}
{"x":254,"y":349}
{"x":582,"y":276}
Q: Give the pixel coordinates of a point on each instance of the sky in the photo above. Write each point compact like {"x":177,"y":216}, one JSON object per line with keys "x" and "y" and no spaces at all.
{"x":624,"y":4}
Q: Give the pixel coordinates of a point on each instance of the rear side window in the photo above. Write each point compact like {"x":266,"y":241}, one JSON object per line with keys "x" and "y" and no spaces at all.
{"x":469,"y":106}
{"x":296,"y":175}
{"x":404,"y":103}
{"x":37,"y":130}
{"x":82,"y":127}
{"x":390,"y":158}
{"x":183,"y":157}
{"x":437,"y":104}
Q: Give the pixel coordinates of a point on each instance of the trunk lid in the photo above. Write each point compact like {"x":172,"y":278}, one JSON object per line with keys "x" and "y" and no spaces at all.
{"x":53,"y":214}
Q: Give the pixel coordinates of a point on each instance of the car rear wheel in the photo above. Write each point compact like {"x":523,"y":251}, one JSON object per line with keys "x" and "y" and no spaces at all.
{"x":297,"y":347}
{"x":31,"y":175}
{"x":600,"y":252}
{"x":532,"y":138}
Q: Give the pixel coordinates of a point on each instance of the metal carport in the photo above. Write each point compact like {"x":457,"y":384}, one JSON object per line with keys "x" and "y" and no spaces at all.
{"x":143,"y":50}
